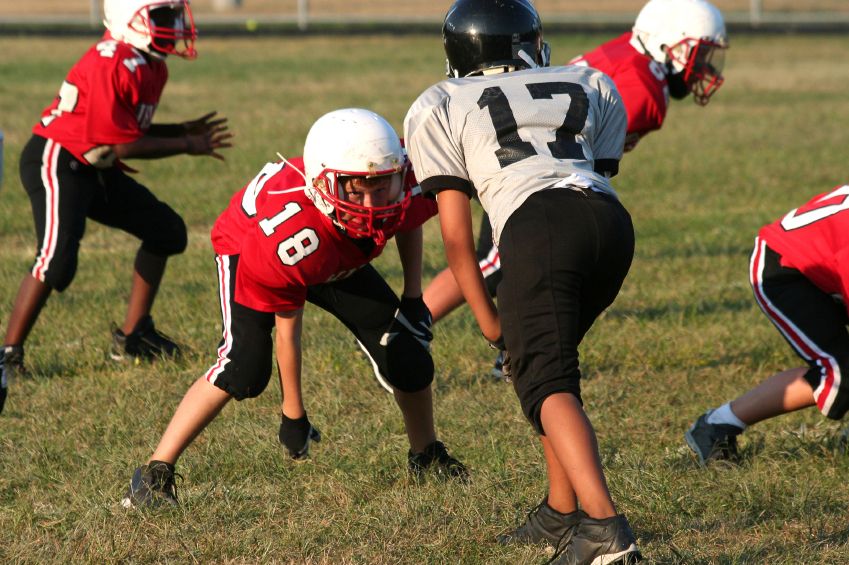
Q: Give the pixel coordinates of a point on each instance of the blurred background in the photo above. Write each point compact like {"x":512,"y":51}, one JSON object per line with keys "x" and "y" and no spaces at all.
{"x":252,"y":15}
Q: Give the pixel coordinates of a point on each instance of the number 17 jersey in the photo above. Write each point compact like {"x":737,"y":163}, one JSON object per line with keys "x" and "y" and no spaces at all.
{"x":510,"y":135}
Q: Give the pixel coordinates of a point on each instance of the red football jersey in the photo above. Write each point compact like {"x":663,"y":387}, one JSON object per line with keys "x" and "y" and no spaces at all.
{"x":286,"y":244}
{"x":814,"y":239}
{"x":108,"y":97}
{"x":640,"y":80}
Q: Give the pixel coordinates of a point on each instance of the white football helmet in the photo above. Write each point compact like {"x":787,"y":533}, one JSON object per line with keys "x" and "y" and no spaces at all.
{"x":157,"y":27}
{"x":688,"y":36}
{"x":356,"y":142}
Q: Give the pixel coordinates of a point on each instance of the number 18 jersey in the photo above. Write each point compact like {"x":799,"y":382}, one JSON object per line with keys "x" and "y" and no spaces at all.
{"x":510,"y":135}
{"x":286,"y":244}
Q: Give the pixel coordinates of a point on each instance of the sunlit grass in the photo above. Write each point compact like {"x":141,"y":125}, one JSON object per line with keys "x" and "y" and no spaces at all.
{"x":684,"y":334}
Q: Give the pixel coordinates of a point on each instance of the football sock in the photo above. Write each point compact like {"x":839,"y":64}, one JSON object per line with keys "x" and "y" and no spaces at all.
{"x":724,"y":415}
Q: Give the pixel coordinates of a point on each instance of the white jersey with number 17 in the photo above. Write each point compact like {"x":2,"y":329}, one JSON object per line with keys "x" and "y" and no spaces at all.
{"x":510,"y":135}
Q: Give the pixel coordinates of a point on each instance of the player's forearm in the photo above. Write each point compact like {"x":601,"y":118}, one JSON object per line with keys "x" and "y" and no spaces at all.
{"x":150,"y":147}
{"x":456,"y":225}
{"x":464,"y":267}
{"x":166,"y":130}
{"x":288,"y":346}
{"x":410,"y":249}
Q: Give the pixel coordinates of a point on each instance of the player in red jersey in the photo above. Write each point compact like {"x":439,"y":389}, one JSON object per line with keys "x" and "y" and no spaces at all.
{"x":676,"y":48}
{"x":305,"y":231}
{"x":800,"y":276}
{"x":72,"y":169}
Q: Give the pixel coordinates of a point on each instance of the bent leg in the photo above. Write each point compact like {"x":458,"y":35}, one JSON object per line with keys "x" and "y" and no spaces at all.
{"x":573,"y":441}
{"x":31,"y":298}
{"x":147,"y":274}
{"x":129,"y":206}
{"x":201,"y":404}
{"x":783,"y":392}
{"x":417,"y":410}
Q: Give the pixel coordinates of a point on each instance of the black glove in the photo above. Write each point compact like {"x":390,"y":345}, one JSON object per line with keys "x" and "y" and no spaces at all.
{"x":296,"y":435}
{"x":412,"y":317}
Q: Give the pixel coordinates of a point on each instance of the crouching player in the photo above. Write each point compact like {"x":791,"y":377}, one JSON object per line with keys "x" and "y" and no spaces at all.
{"x":800,"y":276}
{"x":306,"y":230}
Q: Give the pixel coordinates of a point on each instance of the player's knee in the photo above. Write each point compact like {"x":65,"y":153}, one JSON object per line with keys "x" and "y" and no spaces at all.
{"x":169,"y":237}
{"x":247,"y":379}
{"x":61,"y":269}
{"x":533,"y":394}
{"x":409,"y":366}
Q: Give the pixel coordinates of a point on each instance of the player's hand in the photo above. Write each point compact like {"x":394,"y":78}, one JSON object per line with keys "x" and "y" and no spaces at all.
{"x":203,"y":124}
{"x":412,"y":317}
{"x":296,"y":436}
{"x":216,"y":135}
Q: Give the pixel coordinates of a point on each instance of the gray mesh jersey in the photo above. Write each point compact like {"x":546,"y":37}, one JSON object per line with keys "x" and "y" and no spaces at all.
{"x":512,"y":134}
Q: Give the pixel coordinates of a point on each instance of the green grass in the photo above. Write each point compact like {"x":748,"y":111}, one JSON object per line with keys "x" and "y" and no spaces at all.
{"x":685,"y":334}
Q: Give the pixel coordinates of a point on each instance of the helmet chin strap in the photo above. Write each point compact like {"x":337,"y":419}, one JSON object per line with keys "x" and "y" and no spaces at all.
{"x":296,"y":169}
{"x":527,"y":59}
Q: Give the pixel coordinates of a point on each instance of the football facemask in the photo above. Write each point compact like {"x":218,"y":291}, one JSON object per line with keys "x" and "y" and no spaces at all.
{"x":171,"y":25}
{"x":702,"y":62}
{"x":361,"y":221}
{"x":157,"y":27}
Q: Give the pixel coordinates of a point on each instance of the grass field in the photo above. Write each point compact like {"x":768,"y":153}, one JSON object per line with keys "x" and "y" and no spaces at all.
{"x":684,"y":334}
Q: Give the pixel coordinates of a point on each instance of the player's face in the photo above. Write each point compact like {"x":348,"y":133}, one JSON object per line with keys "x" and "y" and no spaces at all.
{"x":369,"y":192}
{"x":165,"y":18}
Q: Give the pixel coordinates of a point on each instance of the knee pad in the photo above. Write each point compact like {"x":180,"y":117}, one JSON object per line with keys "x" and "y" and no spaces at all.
{"x":409,"y":366}
{"x":62,"y":267}
{"x":168,"y":235}
{"x":247,"y":379}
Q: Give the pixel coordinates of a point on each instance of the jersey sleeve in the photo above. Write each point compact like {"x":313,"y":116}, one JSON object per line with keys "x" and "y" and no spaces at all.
{"x":437,"y":156}
{"x":609,"y":141}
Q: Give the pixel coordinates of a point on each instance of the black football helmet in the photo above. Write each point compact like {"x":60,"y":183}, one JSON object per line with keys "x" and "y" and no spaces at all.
{"x":486,"y":34}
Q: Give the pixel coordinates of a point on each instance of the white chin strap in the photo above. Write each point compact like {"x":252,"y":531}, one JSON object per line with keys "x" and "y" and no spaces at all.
{"x":528,"y":59}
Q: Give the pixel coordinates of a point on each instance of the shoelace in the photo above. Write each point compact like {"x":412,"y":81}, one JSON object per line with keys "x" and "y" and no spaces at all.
{"x":560,"y":548}
{"x":168,"y":482}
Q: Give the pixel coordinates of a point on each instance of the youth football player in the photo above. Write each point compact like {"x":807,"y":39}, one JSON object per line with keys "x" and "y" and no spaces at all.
{"x":676,"y":48}
{"x":799,"y":272}
{"x":73,"y":170}
{"x":538,"y":146}
{"x":302,"y":231}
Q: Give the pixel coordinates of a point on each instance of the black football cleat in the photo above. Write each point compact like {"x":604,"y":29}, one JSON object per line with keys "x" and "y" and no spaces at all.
{"x":144,"y":343}
{"x":544,"y":525}
{"x":152,"y":485}
{"x":601,"y":542}
{"x":436,"y":460}
{"x":713,"y":442}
